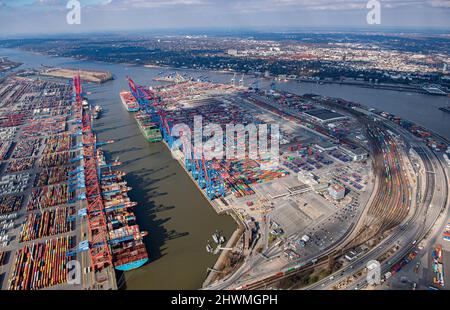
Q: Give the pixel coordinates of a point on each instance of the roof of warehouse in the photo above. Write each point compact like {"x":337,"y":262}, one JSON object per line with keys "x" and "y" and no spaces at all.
{"x":324,"y":114}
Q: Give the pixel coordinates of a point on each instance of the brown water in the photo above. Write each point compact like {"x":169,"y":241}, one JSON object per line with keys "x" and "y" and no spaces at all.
{"x":170,"y":207}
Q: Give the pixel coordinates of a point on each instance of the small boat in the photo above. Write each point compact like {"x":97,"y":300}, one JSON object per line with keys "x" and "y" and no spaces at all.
{"x":85,"y":103}
{"x":216,"y":237}
{"x":209,"y":248}
{"x":97,"y":111}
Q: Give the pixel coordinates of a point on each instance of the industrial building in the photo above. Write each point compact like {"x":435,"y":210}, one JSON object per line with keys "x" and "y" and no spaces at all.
{"x":356,"y":153}
{"x":325,"y":146}
{"x":336,"y":191}
{"x":325,"y":115}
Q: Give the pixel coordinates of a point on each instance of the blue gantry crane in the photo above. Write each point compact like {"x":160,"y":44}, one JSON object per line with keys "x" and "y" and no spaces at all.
{"x":207,"y":177}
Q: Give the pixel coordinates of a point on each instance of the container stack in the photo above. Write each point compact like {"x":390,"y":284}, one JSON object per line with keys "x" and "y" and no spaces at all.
{"x":49,"y":223}
{"x":57,"y":144}
{"x":5,"y":146}
{"x":48,"y":196}
{"x":10,"y":203}
{"x":41,"y":265}
{"x":55,"y":159}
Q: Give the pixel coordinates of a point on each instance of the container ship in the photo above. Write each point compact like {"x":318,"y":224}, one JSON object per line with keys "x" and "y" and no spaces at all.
{"x":125,"y":238}
{"x":129,"y":102}
{"x":171,"y":78}
{"x":149,"y":129}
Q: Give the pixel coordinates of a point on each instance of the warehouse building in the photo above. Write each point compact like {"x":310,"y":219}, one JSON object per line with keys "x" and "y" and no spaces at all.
{"x":325,"y":115}
{"x":336,"y":191}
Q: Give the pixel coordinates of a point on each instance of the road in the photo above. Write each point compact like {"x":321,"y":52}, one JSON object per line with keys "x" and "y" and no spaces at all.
{"x":408,"y":235}
{"x":391,"y":206}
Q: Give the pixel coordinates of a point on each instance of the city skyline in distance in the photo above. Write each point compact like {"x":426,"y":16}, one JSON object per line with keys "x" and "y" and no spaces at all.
{"x":21,"y":17}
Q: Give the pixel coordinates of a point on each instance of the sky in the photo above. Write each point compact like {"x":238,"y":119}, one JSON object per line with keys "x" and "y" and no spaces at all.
{"x":27,"y":17}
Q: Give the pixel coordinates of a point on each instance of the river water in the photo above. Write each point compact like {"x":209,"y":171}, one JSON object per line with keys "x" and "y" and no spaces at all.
{"x":419,"y":108}
{"x":171,"y":208}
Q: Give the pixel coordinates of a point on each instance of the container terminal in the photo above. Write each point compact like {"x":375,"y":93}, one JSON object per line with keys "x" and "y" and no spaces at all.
{"x":267,"y":202}
{"x":62,"y":204}
{"x":329,"y":170}
{"x":61,"y":201}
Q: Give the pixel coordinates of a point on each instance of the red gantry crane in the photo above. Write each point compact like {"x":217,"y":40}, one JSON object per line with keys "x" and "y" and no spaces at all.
{"x":98,"y":233}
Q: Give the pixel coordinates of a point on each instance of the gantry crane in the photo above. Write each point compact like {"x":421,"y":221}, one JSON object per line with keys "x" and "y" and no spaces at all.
{"x":202,"y":171}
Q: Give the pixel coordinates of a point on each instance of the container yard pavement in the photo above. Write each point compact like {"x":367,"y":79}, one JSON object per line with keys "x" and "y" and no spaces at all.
{"x":27,"y":137}
{"x":309,"y":210}
{"x":295,"y":215}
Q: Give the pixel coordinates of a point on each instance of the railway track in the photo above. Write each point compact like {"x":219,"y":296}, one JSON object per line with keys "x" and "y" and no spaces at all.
{"x":389,"y":208}
{"x":383,"y":214}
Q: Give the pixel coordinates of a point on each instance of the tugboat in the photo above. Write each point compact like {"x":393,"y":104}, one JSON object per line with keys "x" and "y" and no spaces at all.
{"x":209,"y":248}
{"x":218,"y":238}
{"x":97,"y":111}
{"x":85,"y":104}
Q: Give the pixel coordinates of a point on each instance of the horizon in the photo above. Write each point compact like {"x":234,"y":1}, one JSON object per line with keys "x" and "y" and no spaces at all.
{"x":224,"y":31}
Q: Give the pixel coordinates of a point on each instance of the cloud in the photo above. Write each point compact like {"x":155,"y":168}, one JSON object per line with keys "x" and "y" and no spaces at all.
{"x":440,"y":3}
{"x":258,"y":5}
{"x":151,"y":14}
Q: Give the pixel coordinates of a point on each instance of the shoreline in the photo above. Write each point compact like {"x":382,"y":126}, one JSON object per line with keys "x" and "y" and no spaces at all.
{"x":392,"y":87}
